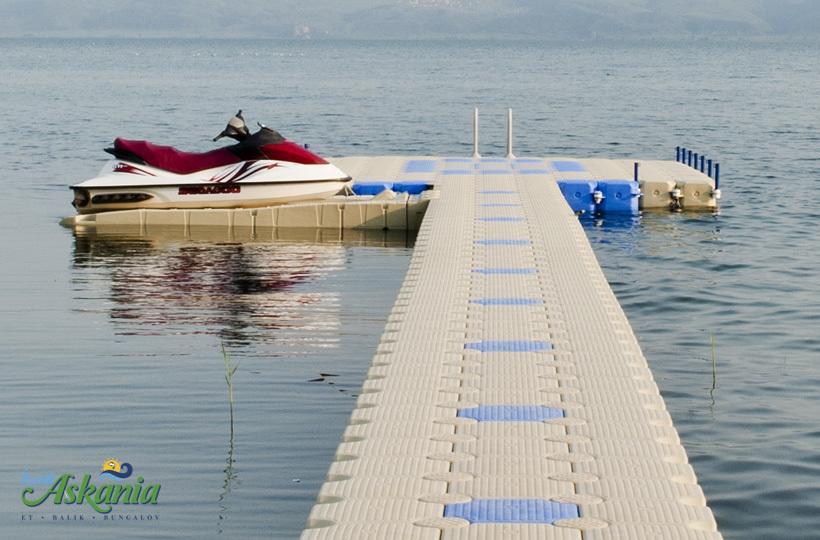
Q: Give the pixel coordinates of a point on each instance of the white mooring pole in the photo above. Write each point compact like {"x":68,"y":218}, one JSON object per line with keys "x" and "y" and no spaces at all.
{"x":475,"y":133}
{"x":510,"y":154}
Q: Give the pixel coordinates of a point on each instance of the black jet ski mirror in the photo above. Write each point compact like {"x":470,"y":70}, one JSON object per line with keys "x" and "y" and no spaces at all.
{"x":236,"y":129}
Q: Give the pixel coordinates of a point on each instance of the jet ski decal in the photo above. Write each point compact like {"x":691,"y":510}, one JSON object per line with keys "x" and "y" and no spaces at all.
{"x":245,"y":170}
{"x":126,"y":168}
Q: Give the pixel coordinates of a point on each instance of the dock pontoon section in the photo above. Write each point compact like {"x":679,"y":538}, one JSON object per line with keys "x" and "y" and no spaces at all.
{"x":508,"y":397}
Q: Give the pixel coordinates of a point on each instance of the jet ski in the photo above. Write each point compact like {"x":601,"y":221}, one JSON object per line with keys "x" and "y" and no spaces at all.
{"x":261,"y":169}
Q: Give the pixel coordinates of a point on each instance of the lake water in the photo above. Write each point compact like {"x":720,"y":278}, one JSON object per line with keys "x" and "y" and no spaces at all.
{"x":111,"y":346}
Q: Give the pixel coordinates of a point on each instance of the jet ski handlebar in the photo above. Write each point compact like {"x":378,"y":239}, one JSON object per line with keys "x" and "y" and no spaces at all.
{"x":236,"y":129}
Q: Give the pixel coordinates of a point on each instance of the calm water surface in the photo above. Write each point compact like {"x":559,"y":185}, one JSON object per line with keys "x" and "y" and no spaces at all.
{"x":111,"y":345}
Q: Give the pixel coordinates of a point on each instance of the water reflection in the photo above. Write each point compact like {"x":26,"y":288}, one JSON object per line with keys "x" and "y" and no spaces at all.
{"x":615,"y":221}
{"x":242,"y":289}
{"x":654,"y":233}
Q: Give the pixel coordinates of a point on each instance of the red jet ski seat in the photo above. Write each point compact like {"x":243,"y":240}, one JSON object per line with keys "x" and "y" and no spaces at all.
{"x":170,"y":159}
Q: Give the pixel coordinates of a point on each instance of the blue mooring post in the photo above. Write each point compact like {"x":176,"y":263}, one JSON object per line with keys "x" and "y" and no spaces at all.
{"x":694,"y":160}
{"x":683,"y":155}
{"x":677,"y":154}
{"x":702,"y":160}
{"x":636,"y":171}
{"x":689,"y":157}
{"x":717,"y":175}
{"x":709,"y":167}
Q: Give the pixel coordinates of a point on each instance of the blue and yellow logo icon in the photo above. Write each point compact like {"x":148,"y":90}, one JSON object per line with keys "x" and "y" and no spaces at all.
{"x":111,"y":468}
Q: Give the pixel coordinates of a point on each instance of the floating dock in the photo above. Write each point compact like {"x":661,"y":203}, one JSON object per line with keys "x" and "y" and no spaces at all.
{"x":389,"y":211}
{"x":589,"y":186}
{"x":392,"y":193}
{"x":508,"y":397}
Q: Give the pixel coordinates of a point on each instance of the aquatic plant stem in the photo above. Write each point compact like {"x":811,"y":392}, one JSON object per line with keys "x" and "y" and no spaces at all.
{"x":230,"y":371}
{"x":230,"y":474}
{"x":714,"y":361}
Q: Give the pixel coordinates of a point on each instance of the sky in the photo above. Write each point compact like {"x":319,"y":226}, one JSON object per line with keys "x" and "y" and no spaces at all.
{"x":408,"y":19}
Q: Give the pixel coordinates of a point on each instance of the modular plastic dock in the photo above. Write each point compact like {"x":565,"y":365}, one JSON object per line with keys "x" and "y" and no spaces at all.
{"x":590,"y":186}
{"x":398,"y":211}
{"x":508,"y":397}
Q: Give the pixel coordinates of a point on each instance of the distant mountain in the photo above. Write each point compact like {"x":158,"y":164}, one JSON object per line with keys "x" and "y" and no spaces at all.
{"x":409,"y":19}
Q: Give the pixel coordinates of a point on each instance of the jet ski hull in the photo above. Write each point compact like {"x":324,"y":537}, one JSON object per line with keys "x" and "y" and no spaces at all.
{"x":126,"y":186}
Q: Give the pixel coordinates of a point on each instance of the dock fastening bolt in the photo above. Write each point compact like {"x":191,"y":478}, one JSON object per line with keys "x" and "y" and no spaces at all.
{"x":677,"y":197}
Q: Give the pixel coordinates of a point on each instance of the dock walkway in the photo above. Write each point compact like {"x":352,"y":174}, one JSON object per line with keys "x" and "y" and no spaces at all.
{"x":508,"y":397}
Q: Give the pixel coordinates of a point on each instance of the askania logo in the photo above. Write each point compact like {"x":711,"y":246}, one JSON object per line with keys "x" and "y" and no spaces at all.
{"x":103,"y":497}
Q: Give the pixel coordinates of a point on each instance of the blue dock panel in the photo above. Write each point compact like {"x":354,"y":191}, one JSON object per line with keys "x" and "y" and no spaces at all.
{"x":578,"y":194}
{"x":504,"y":242}
{"x":420,"y":166}
{"x":512,"y":511}
{"x":411,"y":187}
{"x":511,"y":413}
{"x":511,"y":301}
{"x":567,"y":166}
{"x":374,"y":187}
{"x":504,"y":271}
{"x":509,"y":346}
{"x":370,"y":188}
{"x":620,"y":197}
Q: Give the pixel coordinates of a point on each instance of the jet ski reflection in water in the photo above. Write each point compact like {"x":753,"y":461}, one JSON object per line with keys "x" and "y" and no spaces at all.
{"x":255,"y":293}
{"x":262,"y":169}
